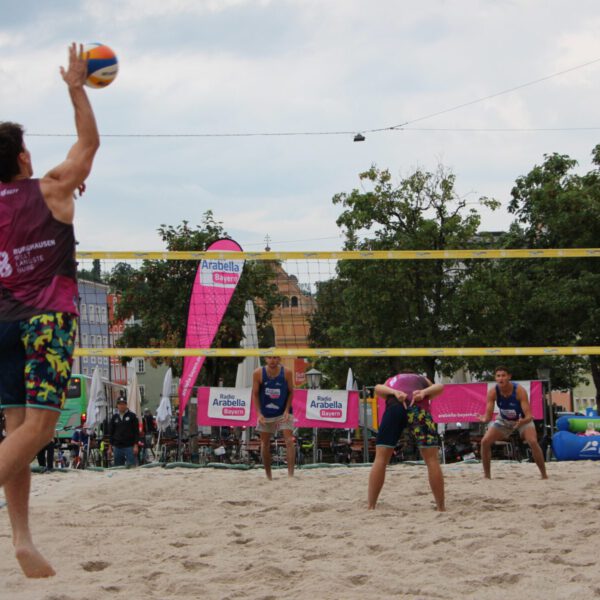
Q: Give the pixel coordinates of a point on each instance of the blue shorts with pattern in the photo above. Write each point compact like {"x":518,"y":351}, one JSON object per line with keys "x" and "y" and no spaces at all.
{"x":418,"y":421}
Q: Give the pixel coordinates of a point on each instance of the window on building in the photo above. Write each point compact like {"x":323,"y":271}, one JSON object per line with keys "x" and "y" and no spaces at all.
{"x":98,"y":341}
{"x":92,"y":313}
{"x":83,"y":311}
{"x":84,"y":370}
{"x":143,"y":392}
{"x":294,"y":301}
{"x":84,"y":340}
{"x":140,"y":365}
{"x":93,"y":360}
{"x":285,"y":303}
{"x":103,"y":314}
{"x":105,"y":341}
{"x":105,"y":373}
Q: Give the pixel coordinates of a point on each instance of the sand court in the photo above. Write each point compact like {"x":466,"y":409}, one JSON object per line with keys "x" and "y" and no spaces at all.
{"x":212,"y":534}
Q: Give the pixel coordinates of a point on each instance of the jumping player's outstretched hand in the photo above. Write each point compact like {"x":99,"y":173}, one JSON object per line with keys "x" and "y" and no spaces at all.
{"x":483,"y":419}
{"x":76,"y":73}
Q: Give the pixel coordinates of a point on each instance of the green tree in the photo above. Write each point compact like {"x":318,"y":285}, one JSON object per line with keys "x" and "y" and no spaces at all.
{"x":397,"y":303}
{"x":94,"y":274}
{"x":157,"y":296}
{"x":558,"y":208}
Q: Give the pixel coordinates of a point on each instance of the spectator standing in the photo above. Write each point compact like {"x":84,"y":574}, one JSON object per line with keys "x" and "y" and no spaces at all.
{"x":124,"y":435}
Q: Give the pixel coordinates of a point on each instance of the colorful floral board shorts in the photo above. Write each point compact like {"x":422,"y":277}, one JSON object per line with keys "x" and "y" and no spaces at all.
{"x":418,"y":421}
{"x":36,"y":356}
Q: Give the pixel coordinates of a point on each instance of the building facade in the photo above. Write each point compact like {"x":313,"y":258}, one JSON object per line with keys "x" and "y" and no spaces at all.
{"x":93,"y":331}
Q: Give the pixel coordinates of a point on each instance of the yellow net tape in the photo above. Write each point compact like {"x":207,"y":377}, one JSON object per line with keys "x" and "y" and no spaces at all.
{"x":351,"y":255}
{"x":341,"y":352}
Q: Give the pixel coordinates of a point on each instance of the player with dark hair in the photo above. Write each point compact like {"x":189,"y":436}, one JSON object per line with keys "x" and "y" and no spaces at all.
{"x":514,"y":415}
{"x":38,"y":300}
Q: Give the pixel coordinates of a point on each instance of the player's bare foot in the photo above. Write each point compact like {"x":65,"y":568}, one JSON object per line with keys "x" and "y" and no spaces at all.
{"x":32,"y":563}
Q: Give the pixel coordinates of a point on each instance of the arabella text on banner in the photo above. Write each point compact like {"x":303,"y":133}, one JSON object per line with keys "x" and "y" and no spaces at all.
{"x":230,"y":403}
{"x":327,"y":405}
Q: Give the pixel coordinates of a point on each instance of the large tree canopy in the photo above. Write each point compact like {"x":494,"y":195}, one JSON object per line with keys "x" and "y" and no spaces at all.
{"x":397,"y":303}
{"x":552,"y":302}
{"x":558,"y":208}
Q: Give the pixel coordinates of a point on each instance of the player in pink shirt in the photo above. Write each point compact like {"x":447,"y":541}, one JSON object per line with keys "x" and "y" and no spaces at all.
{"x":407,"y":406}
{"x":38,"y":300}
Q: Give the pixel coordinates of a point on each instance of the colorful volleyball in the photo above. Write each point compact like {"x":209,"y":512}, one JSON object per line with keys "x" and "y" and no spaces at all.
{"x":102,"y":65}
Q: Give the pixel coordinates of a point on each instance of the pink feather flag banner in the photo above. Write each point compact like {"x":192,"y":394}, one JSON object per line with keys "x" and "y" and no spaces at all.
{"x":215,"y":282}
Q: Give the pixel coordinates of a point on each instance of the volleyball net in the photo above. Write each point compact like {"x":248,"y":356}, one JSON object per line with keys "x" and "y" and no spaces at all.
{"x":136,"y":304}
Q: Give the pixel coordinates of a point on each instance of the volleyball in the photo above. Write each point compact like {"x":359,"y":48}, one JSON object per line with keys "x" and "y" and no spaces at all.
{"x":102,"y":65}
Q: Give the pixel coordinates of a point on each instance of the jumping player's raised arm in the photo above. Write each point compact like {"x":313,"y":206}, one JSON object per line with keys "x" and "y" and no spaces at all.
{"x":59,"y":184}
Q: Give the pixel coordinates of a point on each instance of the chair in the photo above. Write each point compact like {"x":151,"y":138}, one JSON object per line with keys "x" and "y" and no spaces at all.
{"x":507,"y":447}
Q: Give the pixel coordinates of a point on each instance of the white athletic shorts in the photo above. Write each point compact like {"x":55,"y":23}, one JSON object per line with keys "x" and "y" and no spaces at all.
{"x":276,"y":424}
{"x":506,"y":427}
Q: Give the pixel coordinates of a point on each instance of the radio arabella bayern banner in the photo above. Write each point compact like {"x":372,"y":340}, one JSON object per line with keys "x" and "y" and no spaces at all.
{"x":233,"y":407}
{"x":222,"y":407}
{"x":215,"y":282}
{"x":326,"y":408}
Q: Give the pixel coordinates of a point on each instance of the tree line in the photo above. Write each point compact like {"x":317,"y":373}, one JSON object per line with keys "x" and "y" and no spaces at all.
{"x":433,"y":303}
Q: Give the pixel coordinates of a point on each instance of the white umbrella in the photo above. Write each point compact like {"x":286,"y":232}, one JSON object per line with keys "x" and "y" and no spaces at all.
{"x":134,"y":398}
{"x":164,"y":412}
{"x":96,"y":402}
{"x":350,"y":385}
{"x":245,"y":370}
{"x":350,"y":380}
{"x":247,"y":367}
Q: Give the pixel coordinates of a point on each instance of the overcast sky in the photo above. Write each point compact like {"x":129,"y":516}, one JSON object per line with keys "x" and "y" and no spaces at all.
{"x":254,"y":66}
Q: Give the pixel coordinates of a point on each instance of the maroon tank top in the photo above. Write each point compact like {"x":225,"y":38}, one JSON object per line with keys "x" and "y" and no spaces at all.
{"x":37,"y":255}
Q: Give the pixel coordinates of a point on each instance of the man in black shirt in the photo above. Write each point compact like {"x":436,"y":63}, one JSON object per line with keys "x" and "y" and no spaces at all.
{"x":124,"y":435}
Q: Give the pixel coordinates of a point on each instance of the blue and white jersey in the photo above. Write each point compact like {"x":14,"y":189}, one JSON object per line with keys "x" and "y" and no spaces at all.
{"x":274,"y":392}
{"x":509,"y":406}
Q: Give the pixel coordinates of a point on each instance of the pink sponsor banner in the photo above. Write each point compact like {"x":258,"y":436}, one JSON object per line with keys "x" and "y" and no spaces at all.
{"x":226,"y":407}
{"x":464,"y":402}
{"x":326,"y":409}
{"x":215,"y":282}
{"x":460,"y":402}
{"x":536,"y":400}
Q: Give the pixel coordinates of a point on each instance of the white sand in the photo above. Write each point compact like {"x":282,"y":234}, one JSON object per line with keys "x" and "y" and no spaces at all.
{"x":155,"y":533}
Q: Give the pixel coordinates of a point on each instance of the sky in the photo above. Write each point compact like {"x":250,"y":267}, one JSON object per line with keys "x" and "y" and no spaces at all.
{"x":273,"y":66}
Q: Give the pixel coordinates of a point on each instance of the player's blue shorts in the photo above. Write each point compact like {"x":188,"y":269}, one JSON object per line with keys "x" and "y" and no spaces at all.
{"x":418,"y":420}
{"x":36,"y":356}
